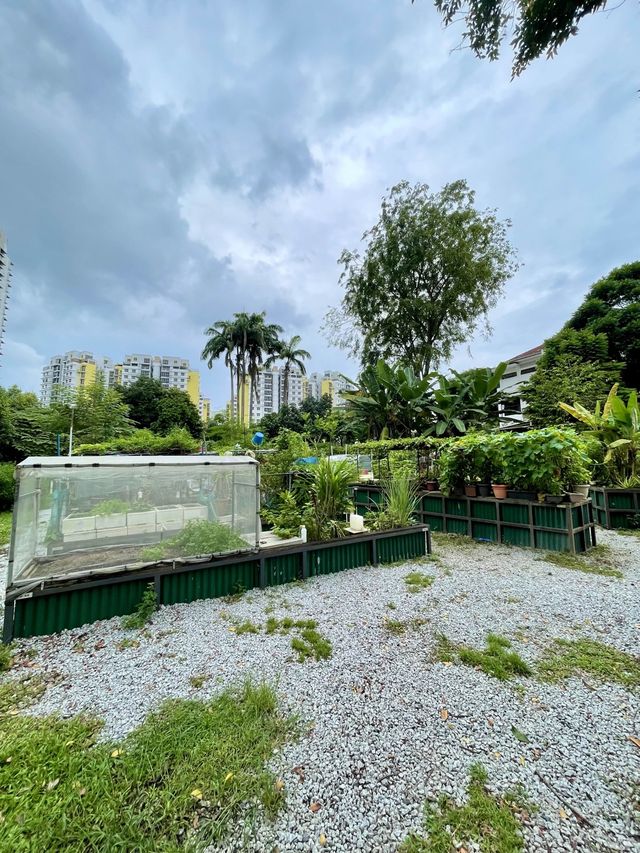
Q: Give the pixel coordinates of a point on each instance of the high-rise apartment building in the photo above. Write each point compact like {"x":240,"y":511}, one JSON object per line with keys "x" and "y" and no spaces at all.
{"x":74,"y":369}
{"x":5,"y":286}
{"x":77,"y":369}
{"x":332,"y":383}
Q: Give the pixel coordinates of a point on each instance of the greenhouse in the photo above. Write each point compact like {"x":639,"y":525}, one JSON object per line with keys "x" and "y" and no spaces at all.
{"x":94,"y":514}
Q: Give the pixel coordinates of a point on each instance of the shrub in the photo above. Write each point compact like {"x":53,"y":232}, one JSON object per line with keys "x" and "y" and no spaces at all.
{"x":286,"y":517}
{"x":400,"y":500}
{"x":328,"y":497}
{"x":7,"y":485}
{"x":177,"y":442}
{"x":197,"y":538}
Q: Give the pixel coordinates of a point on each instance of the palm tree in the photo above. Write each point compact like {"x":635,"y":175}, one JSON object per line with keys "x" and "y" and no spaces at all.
{"x":221,"y":342}
{"x":292,"y":357}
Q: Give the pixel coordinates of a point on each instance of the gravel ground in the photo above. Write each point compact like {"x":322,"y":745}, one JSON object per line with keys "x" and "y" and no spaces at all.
{"x":376,"y":741}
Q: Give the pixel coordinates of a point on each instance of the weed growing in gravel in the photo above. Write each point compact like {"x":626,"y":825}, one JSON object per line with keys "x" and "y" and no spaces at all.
{"x":144,"y":611}
{"x":489,"y":823}
{"x":392,"y":606}
{"x":198,"y":680}
{"x":246,"y":627}
{"x":191,"y":765}
{"x":15,"y":695}
{"x":236,"y":594}
{"x":571,"y":657}
{"x":455,"y":540}
{"x":580,"y":564}
{"x":417,"y":581}
{"x":495,"y":659}
{"x":310,"y":643}
{"x":6,"y":657}
{"x":127,"y":644}
{"x":398,"y":626}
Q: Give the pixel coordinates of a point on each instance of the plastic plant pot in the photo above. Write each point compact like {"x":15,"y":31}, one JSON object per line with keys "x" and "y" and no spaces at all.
{"x":484,"y":490}
{"x":471,"y":490}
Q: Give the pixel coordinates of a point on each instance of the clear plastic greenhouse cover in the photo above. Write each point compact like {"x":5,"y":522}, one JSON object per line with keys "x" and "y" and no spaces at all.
{"x":96,"y":513}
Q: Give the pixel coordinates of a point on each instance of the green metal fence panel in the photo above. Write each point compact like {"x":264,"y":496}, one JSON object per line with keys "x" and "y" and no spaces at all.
{"x":327,"y":561}
{"x":456,"y":525}
{"x":455,"y":506}
{"x":551,"y":541}
{"x":283,"y":569}
{"x":514,"y":513}
{"x":517,"y":536}
{"x":433,"y":503}
{"x":435,"y":522}
{"x":580,"y":541}
{"x":48,"y":614}
{"x":597,"y":496}
{"x":404,"y":547}
{"x":622,"y":520}
{"x":209,"y":582}
{"x":550,"y":516}
{"x":484,"y":530}
{"x":601,"y":517}
{"x":621,"y":500}
{"x":484,"y":509}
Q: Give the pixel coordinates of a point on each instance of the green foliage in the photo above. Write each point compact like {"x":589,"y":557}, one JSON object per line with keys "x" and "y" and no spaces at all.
{"x":612,"y":307}
{"x":399,"y":504}
{"x":176,"y":410}
{"x":567,"y":378}
{"x":98,"y":413}
{"x":289,"y":446}
{"x":178,"y":442}
{"x":582,"y":564}
{"x":223,"y":433}
{"x":533,"y":29}
{"x":286,"y":516}
{"x":485,"y":822}
{"x":617,"y":427}
{"x":110,"y":507}
{"x":432,"y":268}
{"x":293,"y":356}
{"x":189,"y":764}
{"x":400,"y":626}
{"x":567,"y":658}
{"x":6,"y":657}
{"x":16,"y":695}
{"x":311,"y":644}
{"x":495,"y":659}
{"x":197,"y":538}
{"x":418,"y":581}
{"x":144,"y":611}
{"x":5,"y":527}
{"x":327,"y":498}
{"x":143,"y":398}
{"x":7,"y":485}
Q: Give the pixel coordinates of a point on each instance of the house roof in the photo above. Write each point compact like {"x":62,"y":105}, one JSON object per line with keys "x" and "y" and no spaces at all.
{"x":528,"y":353}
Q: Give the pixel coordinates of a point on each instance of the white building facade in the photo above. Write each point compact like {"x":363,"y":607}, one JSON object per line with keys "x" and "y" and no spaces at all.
{"x":169,"y":370}
{"x":75,"y":369}
{"x":517,"y":374}
{"x":5,"y":286}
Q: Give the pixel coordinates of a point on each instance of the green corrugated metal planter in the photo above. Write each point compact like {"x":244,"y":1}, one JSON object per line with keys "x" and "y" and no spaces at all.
{"x":520,"y":536}
{"x":456,"y":525}
{"x":209,"y":582}
{"x":455,"y":506}
{"x":283,"y":569}
{"x":482,"y":509}
{"x":75,"y":607}
{"x":337,"y":558}
{"x":403,"y":547}
{"x":551,"y":541}
{"x":617,"y":509}
{"x":621,"y":500}
{"x":484,"y":530}
{"x":432,"y":503}
{"x":550,"y":516}
{"x":514,"y":513}
{"x":435,"y":522}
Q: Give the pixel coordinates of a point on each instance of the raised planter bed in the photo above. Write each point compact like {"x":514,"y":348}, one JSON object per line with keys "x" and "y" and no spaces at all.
{"x":616,"y":509}
{"x":566,"y":527}
{"x":54,"y":605}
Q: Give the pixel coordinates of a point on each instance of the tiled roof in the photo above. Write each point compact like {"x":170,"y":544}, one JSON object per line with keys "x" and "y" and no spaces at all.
{"x":535,"y":351}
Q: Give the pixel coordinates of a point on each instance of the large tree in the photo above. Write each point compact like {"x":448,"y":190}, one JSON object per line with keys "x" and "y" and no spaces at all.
{"x":536,"y":27}
{"x":290,"y":353}
{"x":432,"y":268}
{"x":177,"y":410}
{"x":143,"y":398}
{"x":612,"y":308}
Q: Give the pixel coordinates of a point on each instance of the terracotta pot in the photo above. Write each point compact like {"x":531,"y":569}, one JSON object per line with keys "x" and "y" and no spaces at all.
{"x":471,"y":490}
{"x":499,"y":491}
{"x":432,"y":485}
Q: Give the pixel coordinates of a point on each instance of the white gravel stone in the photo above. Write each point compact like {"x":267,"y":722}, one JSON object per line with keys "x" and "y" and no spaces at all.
{"x":374,"y":745}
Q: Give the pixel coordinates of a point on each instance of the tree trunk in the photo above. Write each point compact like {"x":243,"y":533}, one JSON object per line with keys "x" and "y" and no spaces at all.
{"x":232,"y":390}
{"x":285,"y":385}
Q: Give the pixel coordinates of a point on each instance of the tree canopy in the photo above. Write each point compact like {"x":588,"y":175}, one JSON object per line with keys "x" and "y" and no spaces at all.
{"x":536,"y":28}
{"x":432,"y":268}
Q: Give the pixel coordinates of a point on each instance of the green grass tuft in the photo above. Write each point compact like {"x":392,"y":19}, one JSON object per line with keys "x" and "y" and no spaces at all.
{"x":311,"y":644}
{"x":399,"y":626}
{"x":198,"y":681}
{"x":127,"y":643}
{"x":246,"y":627}
{"x":15,"y":695}
{"x":581,"y":564}
{"x":5,"y":527}
{"x":191,"y":764}
{"x":6,"y":657}
{"x":495,"y":659}
{"x":143,"y":612}
{"x":487,"y":822}
{"x":572,"y":657}
{"x":417,"y":581}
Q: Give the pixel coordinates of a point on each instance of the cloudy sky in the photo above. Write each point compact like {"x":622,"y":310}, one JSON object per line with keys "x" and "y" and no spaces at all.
{"x":164,"y":164}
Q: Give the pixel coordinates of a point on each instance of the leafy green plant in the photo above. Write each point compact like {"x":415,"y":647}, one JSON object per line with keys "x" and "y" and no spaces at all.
{"x":400,"y":503}
{"x":328,"y":500}
{"x":7,"y":485}
{"x":486,"y":821}
{"x":144,"y":442}
{"x":110,"y":507}
{"x":144,"y":611}
{"x":6,"y":519}
{"x":190,"y":764}
{"x":197,"y":538}
{"x":580,"y":564}
{"x":417,"y":581}
{"x":311,"y":643}
{"x":6,"y":657}
{"x":286,"y":516}
{"x":495,"y":659}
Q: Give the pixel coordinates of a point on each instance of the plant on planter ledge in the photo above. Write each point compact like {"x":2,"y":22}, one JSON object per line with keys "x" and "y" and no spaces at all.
{"x":400,"y":504}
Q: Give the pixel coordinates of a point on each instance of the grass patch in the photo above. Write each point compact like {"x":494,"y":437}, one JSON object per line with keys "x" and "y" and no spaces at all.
{"x":311,"y":644}
{"x":417,"y":581}
{"x":572,"y":657}
{"x":143,"y":612}
{"x":455,"y":540}
{"x":284,"y":626}
{"x":580,"y":564}
{"x":6,"y":657}
{"x":489,"y":823}
{"x":496,"y":659}
{"x":190,"y":766}
{"x":391,"y":605}
{"x":624,"y":532}
{"x":399,"y":626}
{"x":15,"y":695}
{"x":5,"y":527}
{"x":246,"y":627}
{"x":198,"y":681}
{"x":127,"y":643}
